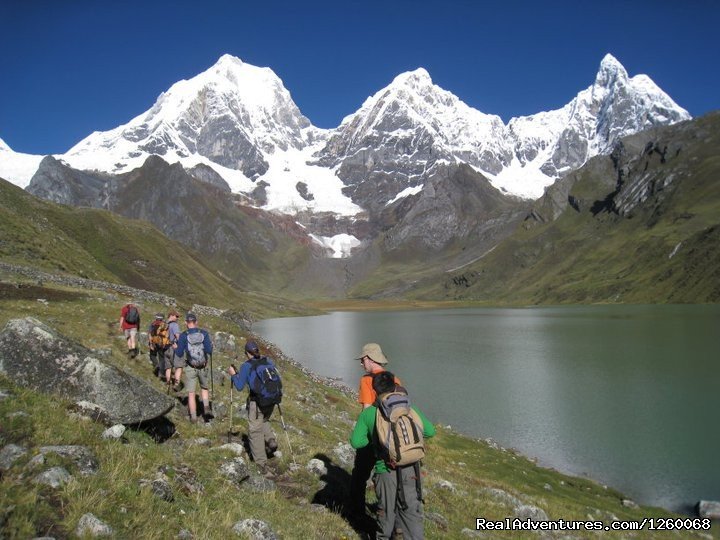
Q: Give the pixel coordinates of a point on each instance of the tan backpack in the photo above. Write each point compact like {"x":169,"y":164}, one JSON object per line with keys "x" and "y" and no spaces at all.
{"x":399,"y":430}
{"x":160,"y":336}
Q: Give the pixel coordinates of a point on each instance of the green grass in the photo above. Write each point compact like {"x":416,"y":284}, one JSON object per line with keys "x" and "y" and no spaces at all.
{"x":115,"y":496}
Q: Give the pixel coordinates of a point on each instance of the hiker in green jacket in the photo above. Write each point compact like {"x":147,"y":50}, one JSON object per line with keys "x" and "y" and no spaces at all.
{"x":398,"y":488}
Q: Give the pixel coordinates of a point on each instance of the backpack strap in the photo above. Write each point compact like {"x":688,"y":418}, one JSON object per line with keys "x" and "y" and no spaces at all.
{"x":418,"y":484}
{"x":400,"y":490}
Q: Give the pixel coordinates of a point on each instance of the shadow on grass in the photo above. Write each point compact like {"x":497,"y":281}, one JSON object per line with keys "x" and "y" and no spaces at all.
{"x":334,"y":496}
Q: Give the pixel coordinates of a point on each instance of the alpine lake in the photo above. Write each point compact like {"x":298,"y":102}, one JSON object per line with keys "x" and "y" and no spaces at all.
{"x":626,"y":395}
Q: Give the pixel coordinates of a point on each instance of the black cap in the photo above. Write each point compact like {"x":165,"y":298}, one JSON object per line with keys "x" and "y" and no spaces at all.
{"x":251,"y":347}
{"x":191,"y":317}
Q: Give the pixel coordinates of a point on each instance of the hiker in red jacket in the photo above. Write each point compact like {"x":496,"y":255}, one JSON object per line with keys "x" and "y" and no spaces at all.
{"x":129,"y":324}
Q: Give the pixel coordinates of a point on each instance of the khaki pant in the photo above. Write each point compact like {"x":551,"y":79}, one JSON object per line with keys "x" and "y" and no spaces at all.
{"x":390,"y":514}
{"x":259,"y":430}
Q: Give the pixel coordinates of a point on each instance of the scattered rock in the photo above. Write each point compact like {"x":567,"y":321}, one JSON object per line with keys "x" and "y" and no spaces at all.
{"x":709,"y":509}
{"x":627,"y":503}
{"x":236,"y":448}
{"x":200,"y":441}
{"x":533,"y":513}
{"x":36,"y":356}
{"x":10,"y":454}
{"x":184,"y":534}
{"x":260,"y":484}
{"x":317,"y":467}
{"x":37,"y":461}
{"x":81,"y":456}
{"x":254,"y":529}
{"x":444,"y":484}
{"x":236,"y":470}
{"x":502,"y":497}
{"x":18,"y":414}
{"x":345,"y":454}
{"x":224,"y":342}
{"x":89,"y":525}
{"x":54,"y":477}
{"x":160,"y":487}
{"x":185,"y":478}
{"x":320,"y":419}
{"x":438,"y":519}
{"x":547,"y":487}
{"x":4,"y":394}
{"x":115,"y":432}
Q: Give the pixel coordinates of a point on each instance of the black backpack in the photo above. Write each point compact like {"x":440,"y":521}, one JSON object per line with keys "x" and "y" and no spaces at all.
{"x":132,"y":316}
{"x":264,"y":382}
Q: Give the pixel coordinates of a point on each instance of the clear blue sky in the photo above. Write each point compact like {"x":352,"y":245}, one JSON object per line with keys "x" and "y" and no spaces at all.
{"x":71,"y":67}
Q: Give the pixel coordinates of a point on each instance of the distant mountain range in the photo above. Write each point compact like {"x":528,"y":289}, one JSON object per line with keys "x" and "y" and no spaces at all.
{"x":414,"y":183}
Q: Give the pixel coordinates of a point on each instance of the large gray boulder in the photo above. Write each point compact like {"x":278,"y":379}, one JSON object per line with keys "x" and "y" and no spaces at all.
{"x":36,"y":356}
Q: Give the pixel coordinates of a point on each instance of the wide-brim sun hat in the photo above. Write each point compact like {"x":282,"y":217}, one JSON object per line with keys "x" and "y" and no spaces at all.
{"x":374,"y":352}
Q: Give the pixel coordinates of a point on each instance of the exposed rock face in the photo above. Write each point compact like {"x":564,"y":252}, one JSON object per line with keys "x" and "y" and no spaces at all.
{"x":34,"y":355}
{"x":457,"y":205}
{"x":57,"y":182}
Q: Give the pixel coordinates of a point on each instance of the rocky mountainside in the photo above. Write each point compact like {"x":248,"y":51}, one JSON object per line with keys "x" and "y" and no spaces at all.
{"x":247,"y":246}
{"x":638,"y":226}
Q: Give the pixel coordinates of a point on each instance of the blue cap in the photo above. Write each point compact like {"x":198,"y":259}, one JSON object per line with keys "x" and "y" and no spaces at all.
{"x":251,"y":347}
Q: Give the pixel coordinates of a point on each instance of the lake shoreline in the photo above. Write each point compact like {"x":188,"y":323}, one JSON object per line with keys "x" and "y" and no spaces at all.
{"x":338,"y":383}
{"x":340,"y":338}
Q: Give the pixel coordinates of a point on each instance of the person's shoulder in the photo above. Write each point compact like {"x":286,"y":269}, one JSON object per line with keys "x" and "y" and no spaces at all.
{"x":369,"y":413}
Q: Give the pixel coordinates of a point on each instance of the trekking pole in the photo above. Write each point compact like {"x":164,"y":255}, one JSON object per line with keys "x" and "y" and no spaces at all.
{"x":231,"y":408}
{"x":212,"y":386}
{"x":282,"y":421}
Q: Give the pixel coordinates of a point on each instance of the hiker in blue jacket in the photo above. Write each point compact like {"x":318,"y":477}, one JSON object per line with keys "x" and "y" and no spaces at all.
{"x":262,"y":438}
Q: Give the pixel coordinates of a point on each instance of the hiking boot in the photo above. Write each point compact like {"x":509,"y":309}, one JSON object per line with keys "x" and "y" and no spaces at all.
{"x":265,"y":471}
{"x":178,"y":386}
{"x":193,"y":419}
{"x":208,"y":417}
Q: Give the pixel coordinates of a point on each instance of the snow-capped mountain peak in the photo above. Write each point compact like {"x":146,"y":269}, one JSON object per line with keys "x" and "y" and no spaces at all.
{"x":17,"y":167}
{"x":610,"y":71}
{"x":231,"y":115}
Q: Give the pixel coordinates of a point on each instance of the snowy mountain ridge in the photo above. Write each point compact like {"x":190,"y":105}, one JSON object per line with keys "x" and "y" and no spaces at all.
{"x":241,"y":121}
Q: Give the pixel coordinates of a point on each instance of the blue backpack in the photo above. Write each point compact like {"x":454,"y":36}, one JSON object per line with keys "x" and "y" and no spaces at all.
{"x":264,"y":382}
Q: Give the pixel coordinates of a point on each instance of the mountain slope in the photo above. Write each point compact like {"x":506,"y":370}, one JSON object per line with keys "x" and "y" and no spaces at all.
{"x":250,"y":247}
{"x":100,"y":245}
{"x":638,"y":226}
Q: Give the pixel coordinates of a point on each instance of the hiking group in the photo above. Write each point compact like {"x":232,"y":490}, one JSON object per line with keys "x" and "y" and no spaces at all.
{"x":388,"y":435}
{"x":173,"y":353}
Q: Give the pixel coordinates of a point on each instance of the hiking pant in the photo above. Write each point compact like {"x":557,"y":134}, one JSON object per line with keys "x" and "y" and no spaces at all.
{"x":259,"y":431}
{"x":362,"y":467}
{"x":390,"y":512}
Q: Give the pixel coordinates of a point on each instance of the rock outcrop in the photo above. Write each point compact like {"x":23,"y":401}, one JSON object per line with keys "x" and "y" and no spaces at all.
{"x":35,"y":356}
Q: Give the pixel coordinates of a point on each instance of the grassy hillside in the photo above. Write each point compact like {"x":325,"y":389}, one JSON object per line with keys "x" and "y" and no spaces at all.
{"x":665,"y":249}
{"x":100,"y":245}
{"x":466,"y":479}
